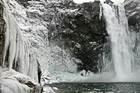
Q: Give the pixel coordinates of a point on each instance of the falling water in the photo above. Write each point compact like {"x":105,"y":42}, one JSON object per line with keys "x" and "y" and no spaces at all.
{"x":117,"y":28}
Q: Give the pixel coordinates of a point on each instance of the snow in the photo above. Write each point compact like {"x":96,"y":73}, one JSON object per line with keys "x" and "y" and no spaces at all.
{"x":82,"y":1}
{"x":18,"y":81}
{"x":101,"y":12}
{"x":67,"y":10}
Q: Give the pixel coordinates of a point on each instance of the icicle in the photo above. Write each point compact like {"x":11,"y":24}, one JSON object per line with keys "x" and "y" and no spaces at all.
{"x":12,"y":49}
{"x":15,"y":47}
{"x":6,"y":35}
{"x":33,"y":68}
{"x":26,"y":58}
{"x":101,"y":12}
{"x":21,"y":56}
{"x":10,"y":36}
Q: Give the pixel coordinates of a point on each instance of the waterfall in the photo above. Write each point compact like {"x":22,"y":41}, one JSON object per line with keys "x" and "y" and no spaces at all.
{"x":117,"y":28}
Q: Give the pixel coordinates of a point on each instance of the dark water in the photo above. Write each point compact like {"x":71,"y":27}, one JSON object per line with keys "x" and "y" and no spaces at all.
{"x":97,"y":87}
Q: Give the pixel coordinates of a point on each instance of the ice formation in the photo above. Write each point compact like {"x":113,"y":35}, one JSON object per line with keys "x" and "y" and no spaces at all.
{"x":16,"y":55}
{"x":17,"y":47}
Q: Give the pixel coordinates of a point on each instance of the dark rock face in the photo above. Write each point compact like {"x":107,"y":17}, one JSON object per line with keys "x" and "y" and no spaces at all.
{"x":133,"y":14}
{"x":2,"y":32}
{"x":79,"y":29}
{"x":25,"y":2}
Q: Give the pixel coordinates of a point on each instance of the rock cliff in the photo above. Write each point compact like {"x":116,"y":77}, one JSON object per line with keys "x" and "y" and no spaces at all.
{"x":133,"y":13}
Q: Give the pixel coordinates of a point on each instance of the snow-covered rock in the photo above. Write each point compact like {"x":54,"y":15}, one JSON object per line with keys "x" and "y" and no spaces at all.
{"x":15,"y":82}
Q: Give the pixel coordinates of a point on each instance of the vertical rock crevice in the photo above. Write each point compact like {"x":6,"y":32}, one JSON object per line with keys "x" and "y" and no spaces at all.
{"x":2,"y":32}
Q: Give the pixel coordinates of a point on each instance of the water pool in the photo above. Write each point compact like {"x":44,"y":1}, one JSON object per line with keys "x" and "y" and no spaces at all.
{"x":97,"y":87}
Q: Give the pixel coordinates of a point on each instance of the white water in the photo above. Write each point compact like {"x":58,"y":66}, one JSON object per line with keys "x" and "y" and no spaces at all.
{"x":117,"y":28}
